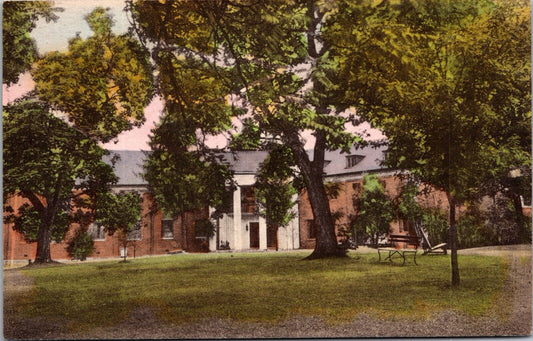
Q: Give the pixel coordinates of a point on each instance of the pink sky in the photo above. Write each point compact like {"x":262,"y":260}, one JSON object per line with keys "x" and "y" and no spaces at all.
{"x":135,"y":139}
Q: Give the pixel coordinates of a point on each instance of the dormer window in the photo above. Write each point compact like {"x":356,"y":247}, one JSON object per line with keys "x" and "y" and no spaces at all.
{"x":352,"y":160}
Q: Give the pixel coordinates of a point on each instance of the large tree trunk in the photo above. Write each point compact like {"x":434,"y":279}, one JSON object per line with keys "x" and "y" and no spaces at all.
{"x":453,"y":241}
{"x":48,"y":214}
{"x":43,"y":240}
{"x":326,"y":241}
{"x":520,"y":218}
{"x":43,"y":236}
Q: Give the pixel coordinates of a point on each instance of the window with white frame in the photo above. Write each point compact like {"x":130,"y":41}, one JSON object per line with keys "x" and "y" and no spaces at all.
{"x":352,"y":160}
{"x":167,"y":228}
{"x":96,"y":232}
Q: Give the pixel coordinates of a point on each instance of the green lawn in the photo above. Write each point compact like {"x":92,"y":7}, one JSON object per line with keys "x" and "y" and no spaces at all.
{"x":260,"y":287}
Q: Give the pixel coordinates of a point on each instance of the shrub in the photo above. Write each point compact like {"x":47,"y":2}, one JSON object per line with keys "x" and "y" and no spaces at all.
{"x":472,"y":229}
{"x":435,"y":223}
{"x":204,"y":228}
{"x":81,"y":246}
{"x":501,"y":219}
{"x":375,"y":211}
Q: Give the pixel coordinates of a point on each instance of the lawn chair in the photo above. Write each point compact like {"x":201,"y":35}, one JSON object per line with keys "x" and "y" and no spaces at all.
{"x":426,"y":244}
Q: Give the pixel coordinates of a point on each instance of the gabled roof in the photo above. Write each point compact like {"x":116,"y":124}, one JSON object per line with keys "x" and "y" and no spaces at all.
{"x":244,"y":162}
{"x":370,"y":162}
{"x":129,"y":166}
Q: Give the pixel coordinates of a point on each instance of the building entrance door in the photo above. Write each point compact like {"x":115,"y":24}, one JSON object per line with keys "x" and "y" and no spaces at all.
{"x":254,"y":235}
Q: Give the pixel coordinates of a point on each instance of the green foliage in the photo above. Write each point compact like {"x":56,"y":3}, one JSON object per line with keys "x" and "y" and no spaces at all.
{"x":262,"y":62}
{"x":433,"y":220}
{"x":64,"y":154}
{"x":501,"y":220}
{"x":118,"y":212}
{"x":28,"y":221}
{"x":492,"y":224}
{"x":408,"y":208}
{"x":81,"y":246}
{"x":68,"y":172}
{"x":447,"y":82}
{"x":472,"y":230}
{"x":374,"y":210}
{"x":204,"y":228}
{"x":333,"y":189}
{"x":248,"y":139}
{"x":274,"y":186}
{"x":435,"y":223}
{"x":182,"y":181}
{"x":102,"y":83}
{"x":19,"y":50}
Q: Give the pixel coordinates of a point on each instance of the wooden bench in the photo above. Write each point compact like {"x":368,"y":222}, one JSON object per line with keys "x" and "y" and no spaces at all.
{"x":394,"y":240}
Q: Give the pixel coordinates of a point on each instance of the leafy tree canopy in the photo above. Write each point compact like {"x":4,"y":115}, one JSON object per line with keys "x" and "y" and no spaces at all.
{"x":19,"y":50}
{"x":182,"y":181}
{"x":274,"y":187}
{"x":55,"y":167}
{"x":118,"y":212}
{"x":102,"y":83}
{"x":261,"y":62}
{"x":447,"y":82}
{"x":374,"y":210}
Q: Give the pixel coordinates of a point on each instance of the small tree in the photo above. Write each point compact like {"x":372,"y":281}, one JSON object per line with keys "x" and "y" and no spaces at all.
{"x":501,"y":219}
{"x":407,"y":206}
{"x":54,"y":167}
{"x":274,"y":187}
{"x":81,"y":246}
{"x":375,"y":211}
{"x":119,"y":213}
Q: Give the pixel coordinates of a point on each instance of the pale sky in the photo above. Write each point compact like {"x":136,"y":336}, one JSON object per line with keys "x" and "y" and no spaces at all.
{"x":55,"y":35}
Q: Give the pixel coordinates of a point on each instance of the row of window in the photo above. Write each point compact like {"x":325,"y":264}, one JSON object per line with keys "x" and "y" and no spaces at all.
{"x":99,"y":232}
{"x":248,"y":205}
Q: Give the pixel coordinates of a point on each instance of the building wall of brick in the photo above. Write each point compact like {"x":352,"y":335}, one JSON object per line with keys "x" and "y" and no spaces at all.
{"x":184,"y":238}
{"x":343,"y":206}
{"x":16,"y":248}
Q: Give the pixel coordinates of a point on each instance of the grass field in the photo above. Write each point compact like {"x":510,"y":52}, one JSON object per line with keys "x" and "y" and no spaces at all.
{"x":259,"y":287}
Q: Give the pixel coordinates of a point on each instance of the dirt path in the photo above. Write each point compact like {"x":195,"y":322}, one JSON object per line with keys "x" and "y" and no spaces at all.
{"x":512,"y":317}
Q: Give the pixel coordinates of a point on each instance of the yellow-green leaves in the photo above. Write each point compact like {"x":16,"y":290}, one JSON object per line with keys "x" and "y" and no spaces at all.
{"x":102,"y":83}
{"x":18,"y":20}
{"x":443,"y":80}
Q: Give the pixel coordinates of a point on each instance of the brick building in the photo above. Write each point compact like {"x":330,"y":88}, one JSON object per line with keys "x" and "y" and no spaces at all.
{"x":240,"y":229}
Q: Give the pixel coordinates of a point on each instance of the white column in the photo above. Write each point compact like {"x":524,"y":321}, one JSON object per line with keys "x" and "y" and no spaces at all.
{"x":237,"y":221}
{"x":295,"y":223}
{"x":262,"y":233}
{"x":213,"y":240}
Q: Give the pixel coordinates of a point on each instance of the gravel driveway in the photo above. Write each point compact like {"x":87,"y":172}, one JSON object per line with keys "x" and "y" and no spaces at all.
{"x":513,"y":316}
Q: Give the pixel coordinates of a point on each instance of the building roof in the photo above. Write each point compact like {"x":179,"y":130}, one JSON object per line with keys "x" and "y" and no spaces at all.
{"x":369,"y":160}
{"x":129,"y":166}
{"x":244,"y":162}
